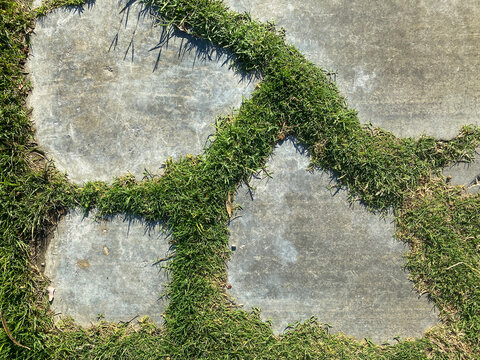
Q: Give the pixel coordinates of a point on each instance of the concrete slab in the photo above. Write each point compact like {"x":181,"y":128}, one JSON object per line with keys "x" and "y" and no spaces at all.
{"x":466,"y":174}
{"x":107,"y":268}
{"x":112,"y":95}
{"x":409,"y":67}
{"x":301,"y":250}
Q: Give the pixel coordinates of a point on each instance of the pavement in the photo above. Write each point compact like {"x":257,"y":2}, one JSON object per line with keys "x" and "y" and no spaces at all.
{"x":409,"y":67}
{"x":302,"y":250}
{"x":113,"y":93}
{"x":107,"y":269}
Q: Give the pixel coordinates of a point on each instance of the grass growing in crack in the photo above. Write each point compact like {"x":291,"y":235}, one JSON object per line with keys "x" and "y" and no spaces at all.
{"x":30,"y":194}
{"x":295,"y":98}
{"x":441,"y":224}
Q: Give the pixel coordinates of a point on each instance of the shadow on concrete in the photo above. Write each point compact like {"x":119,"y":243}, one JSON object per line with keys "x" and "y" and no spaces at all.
{"x":335,"y":186}
{"x":80,"y":9}
{"x":203,"y":50}
{"x":149,"y":227}
{"x":302,"y":150}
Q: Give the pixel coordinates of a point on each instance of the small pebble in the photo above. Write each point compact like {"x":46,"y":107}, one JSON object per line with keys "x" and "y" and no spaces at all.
{"x":234,"y":247}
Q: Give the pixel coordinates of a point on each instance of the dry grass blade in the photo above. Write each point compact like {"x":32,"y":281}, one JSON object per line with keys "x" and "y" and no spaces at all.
{"x":462,"y":263}
{"x":9,"y":334}
{"x":228,"y":205}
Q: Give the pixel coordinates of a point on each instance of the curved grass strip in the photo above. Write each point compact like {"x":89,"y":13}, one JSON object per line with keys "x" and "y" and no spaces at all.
{"x":295,"y":98}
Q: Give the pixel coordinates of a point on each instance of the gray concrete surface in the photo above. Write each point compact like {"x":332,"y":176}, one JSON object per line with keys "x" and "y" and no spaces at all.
{"x":466,"y":174}
{"x":411,"y":67}
{"x":301,"y":250}
{"x":107,"y":268}
{"x":112,"y":95}
{"x":107,"y":101}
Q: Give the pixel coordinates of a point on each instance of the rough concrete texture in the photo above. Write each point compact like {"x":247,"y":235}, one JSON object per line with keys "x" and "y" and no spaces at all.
{"x":107,"y":268}
{"x":410,"y":67}
{"x":466,"y":174}
{"x":112,"y":94}
{"x":301,"y":250}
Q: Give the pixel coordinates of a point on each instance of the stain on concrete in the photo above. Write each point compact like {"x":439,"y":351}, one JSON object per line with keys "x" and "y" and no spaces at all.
{"x":83,"y":264}
{"x":110,"y":273}
{"x":408,"y":67}
{"x":112,"y":93}
{"x":303,"y":250}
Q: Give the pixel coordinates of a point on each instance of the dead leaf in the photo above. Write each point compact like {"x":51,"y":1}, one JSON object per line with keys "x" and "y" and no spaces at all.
{"x":51,"y":293}
{"x":82,"y":263}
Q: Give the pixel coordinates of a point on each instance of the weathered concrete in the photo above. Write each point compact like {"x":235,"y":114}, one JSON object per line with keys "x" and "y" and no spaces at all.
{"x":409,"y":67}
{"x":106,"y":100}
{"x":466,"y":174}
{"x":112,"y":95}
{"x":107,"y":268}
{"x":301,"y":250}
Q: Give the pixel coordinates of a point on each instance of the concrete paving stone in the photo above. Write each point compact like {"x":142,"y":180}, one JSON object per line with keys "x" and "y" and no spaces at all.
{"x":107,"y":268}
{"x":410,"y":67}
{"x":111,"y":95}
{"x":466,"y":174}
{"x":302,"y":250}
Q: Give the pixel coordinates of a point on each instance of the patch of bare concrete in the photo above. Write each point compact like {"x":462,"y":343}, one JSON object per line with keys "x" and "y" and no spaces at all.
{"x":112,"y":93}
{"x":302,"y":250}
{"x":465,"y":174}
{"x":107,"y":269}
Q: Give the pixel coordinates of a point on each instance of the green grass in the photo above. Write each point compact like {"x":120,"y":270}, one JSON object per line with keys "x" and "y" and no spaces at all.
{"x":295,"y":98}
{"x":441,"y":224}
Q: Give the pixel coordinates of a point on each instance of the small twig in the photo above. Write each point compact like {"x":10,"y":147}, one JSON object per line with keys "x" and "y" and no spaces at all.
{"x":9,"y":334}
